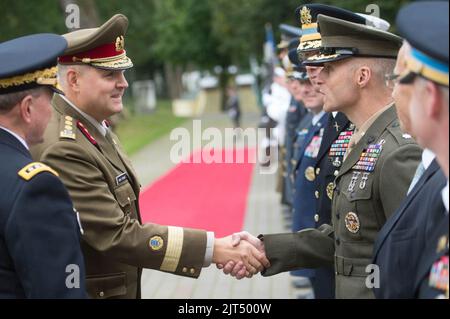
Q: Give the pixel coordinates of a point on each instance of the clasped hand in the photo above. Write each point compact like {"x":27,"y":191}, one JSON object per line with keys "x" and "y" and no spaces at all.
{"x":240,"y":255}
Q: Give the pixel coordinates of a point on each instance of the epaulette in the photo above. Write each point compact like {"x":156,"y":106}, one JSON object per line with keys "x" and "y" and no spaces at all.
{"x":401,"y":137}
{"x":33,"y":169}
{"x":67,"y":128}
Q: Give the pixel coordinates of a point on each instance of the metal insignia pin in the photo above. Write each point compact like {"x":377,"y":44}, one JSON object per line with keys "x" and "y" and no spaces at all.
{"x":310,"y":174}
{"x":351,"y":186}
{"x":337,"y":162}
{"x":330,"y":190}
{"x":363,"y":183}
{"x":336,"y":126}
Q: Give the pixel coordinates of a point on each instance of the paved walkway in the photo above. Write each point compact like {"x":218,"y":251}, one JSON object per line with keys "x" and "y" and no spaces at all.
{"x":263,"y":216}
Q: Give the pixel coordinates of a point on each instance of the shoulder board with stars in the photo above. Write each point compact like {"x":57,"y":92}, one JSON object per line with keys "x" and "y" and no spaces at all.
{"x":67,"y":128}
{"x":369,"y":157}
{"x":339,"y":146}
{"x":33,"y":169}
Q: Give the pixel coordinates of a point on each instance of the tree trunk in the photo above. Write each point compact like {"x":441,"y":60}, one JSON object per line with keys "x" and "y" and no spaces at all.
{"x":173,"y":76}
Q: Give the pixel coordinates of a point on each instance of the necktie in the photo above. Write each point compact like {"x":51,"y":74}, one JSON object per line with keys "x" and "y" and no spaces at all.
{"x":419,"y":172}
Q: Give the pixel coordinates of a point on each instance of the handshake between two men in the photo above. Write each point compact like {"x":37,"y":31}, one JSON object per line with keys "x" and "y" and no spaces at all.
{"x":240,"y":255}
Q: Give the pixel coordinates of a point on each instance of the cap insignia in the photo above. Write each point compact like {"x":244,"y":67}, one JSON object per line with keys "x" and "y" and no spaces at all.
{"x":305,"y":15}
{"x":120,"y":43}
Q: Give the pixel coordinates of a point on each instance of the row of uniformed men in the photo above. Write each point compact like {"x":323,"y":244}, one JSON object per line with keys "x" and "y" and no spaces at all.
{"x":352,"y":168}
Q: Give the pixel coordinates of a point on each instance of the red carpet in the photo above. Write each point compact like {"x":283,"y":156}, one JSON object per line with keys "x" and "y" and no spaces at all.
{"x":205,"y":196}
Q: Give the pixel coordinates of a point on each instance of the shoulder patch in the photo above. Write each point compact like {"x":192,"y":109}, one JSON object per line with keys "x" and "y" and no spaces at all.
{"x":67,"y":128}
{"x":33,"y":169}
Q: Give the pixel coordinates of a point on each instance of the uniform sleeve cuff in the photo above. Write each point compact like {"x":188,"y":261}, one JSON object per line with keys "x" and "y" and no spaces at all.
{"x":209,"y":249}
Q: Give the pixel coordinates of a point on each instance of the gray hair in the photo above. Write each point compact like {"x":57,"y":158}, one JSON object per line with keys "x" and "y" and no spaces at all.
{"x":62,"y":72}
{"x":9,"y":100}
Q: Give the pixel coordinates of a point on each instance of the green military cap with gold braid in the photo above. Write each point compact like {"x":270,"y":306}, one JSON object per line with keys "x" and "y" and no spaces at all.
{"x":102,"y":47}
{"x":343,"y":39}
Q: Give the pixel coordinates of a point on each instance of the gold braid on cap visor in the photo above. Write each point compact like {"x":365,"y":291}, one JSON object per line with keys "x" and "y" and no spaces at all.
{"x":43,"y":77}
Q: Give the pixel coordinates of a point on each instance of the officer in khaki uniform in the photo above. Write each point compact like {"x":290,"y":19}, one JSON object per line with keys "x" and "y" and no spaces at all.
{"x":99,"y":176}
{"x":377,"y":169}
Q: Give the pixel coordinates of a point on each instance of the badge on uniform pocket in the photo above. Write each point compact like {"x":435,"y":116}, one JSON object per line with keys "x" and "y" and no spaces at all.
{"x":121,"y":178}
{"x":352,"y":222}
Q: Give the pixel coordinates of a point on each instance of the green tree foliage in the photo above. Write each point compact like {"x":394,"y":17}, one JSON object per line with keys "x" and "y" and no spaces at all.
{"x":20,"y":17}
{"x":200,"y":33}
{"x":183,"y":32}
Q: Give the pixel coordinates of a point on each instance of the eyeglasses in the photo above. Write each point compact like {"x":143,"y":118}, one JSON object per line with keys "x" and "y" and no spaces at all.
{"x":408,"y":78}
{"x":391,"y":79}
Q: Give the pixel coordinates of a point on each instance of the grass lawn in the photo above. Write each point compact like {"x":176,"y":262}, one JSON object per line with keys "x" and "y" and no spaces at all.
{"x":138,"y":130}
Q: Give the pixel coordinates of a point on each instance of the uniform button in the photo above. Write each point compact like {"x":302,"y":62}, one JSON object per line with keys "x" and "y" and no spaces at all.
{"x":318,"y":171}
{"x":184,"y":270}
{"x":192,"y":271}
{"x":101,"y":294}
{"x":316,"y":218}
{"x":370,"y":139}
{"x":336,"y":173}
{"x":317,"y":194}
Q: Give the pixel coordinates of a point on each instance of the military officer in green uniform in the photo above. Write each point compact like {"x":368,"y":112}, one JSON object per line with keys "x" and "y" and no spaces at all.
{"x":378,"y":166}
{"x":102,"y":182}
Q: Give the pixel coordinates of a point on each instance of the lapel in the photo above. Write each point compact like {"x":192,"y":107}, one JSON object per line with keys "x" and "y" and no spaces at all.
{"x":105,"y":147}
{"x":391,"y":222}
{"x":372,"y":136}
{"x":331,"y":134}
{"x":128,"y":166}
{"x":308,"y":138}
{"x":8,"y":139}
